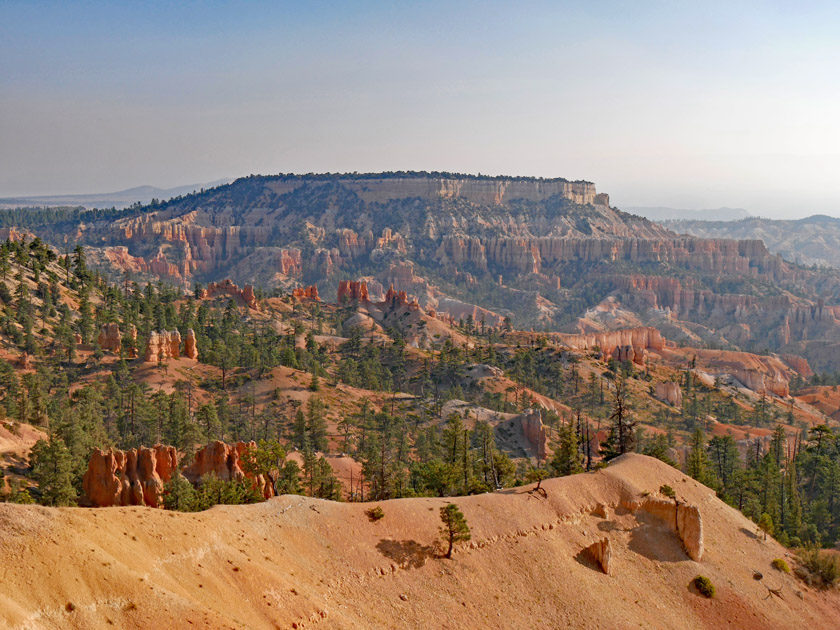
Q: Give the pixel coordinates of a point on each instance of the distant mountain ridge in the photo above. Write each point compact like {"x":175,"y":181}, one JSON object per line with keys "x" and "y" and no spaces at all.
{"x":664,"y":213}
{"x":814,"y":240}
{"x":548,"y":253}
{"x":119,"y":199}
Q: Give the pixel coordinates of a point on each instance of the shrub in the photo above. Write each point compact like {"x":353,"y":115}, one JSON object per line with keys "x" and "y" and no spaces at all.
{"x":820,"y":568}
{"x":780,"y":565}
{"x":704,"y":586}
{"x":375,"y":513}
{"x":667,"y":491}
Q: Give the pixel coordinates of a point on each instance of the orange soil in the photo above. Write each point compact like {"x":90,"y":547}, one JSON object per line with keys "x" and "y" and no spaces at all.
{"x":294,"y":562}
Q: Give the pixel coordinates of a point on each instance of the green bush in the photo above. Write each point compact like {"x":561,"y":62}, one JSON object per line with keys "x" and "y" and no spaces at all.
{"x":820,"y":568}
{"x":704,"y":586}
{"x":667,"y":491}
{"x":781,"y":565}
{"x":375,"y":513}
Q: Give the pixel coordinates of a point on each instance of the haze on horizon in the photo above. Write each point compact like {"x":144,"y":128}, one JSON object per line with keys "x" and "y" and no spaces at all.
{"x":702,"y":105}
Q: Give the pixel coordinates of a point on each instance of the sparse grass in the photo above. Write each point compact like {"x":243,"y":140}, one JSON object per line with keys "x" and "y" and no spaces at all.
{"x":704,"y":586}
{"x":818,"y":568}
{"x":780,"y":565}
{"x":375,"y":514}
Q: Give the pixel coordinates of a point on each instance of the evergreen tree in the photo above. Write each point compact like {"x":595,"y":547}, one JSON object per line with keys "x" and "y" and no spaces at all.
{"x":697,"y":463}
{"x":622,"y":432}
{"x":179,"y":494}
{"x":52,"y":469}
{"x":567,"y":458}
{"x":455,"y":528}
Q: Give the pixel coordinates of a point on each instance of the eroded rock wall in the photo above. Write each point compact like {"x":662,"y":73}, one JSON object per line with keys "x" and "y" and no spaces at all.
{"x":137,"y":476}
{"x":683,"y":518}
{"x":133,"y":477}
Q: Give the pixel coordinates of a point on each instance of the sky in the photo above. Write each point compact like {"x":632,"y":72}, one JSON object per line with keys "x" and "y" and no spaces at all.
{"x":681,"y":104}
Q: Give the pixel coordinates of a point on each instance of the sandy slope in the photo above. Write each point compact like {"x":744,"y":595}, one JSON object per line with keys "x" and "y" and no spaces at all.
{"x":313,"y":563}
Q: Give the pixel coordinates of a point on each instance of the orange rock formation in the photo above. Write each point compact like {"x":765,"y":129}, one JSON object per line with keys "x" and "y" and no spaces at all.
{"x":244,"y":296}
{"x":352,"y":291}
{"x":163,"y":345}
{"x":534,"y":431}
{"x":306,"y":293}
{"x":669,"y":392}
{"x":110,"y":338}
{"x":224,"y":461}
{"x":602,"y":553}
{"x":133,"y":477}
{"x":190,"y":349}
{"x":137,"y":476}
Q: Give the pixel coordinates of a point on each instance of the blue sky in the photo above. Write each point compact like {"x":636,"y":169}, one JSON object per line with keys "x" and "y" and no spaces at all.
{"x":660,"y":103}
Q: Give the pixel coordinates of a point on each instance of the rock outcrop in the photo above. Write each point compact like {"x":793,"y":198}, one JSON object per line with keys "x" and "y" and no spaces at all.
{"x":799,"y":364}
{"x":670,"y":393}
{"x":683,"y":518}
{"x":163,"y":345}
{"x":629,"y":354}
{"x":137,"y":476}
{"x":306,"y":293}
{"x":639,"y":339}
{"x":110,"y":338}
{"x":134,"y":477}
{"x":759,"y":373}
{"x":224,"y":461}
{"x":535,"y":432}
{"x":349,"y":291}
{"x":244,"y":296}
{"x":602,"y":553}
{"x":190,"y":348}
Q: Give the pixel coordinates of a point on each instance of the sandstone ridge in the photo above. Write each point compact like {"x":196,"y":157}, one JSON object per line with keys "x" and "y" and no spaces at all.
{"x":294,"y":561}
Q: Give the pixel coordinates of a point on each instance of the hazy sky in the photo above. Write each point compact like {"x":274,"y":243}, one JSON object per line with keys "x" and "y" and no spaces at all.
{"x":686,"y":104}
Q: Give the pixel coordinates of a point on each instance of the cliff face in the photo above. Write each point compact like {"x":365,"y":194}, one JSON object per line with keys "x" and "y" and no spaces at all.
{"x":543,"y":252}
{"x":496,"y":191}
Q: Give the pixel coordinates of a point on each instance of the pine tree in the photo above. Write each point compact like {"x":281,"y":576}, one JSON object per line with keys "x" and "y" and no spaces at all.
{"x":724,"y":463}
{"x":622,"y":433}
{"x":455,"y":528}
{"x":697,"y":462}
{"x":316,"y":424}
{"x":793,"y":513}
{"x":567,"y":458}
{"x":52,"y":469}
{"x":179,"y":494}
{"x":208,"y":419}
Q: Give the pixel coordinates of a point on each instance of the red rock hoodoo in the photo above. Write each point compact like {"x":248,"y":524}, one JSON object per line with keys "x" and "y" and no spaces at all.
{"x":670,"y":393}
{"x":534,"y":431}
{"x":163,"y":345}
{"x":133,"y":477}
{"x":306,"y":293}
{"x":352,"y":292}
{"x":110,"y":338}
{"x":190,"y":348}
{"x":137,"y":476}
{"x":243,"y":296}
{"x":224,"y":461}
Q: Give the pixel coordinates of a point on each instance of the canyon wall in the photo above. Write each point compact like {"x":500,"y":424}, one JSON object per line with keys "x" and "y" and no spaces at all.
{"x":495,"y":191}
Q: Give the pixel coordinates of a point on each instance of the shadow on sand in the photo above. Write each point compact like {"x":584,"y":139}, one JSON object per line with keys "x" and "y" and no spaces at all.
{"x":409,"y":554}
